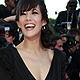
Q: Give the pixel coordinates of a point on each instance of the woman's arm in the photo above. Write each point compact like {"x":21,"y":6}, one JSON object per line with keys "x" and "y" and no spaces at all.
{"x":10,"y":18}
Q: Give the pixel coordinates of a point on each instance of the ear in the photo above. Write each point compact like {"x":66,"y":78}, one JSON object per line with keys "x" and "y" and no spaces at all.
{"x":44,"y":22}
{"x":18,"y":23}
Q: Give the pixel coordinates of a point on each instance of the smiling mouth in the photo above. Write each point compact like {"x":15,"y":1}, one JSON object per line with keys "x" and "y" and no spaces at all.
{"x":29,"y":26}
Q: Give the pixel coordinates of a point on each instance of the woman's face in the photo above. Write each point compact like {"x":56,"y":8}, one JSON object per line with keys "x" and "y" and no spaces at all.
{"x":31,"y":22}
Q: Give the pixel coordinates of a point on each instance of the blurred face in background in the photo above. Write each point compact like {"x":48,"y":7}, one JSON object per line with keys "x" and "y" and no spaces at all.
{"x":73,"y":49}
{"x":9,"y":38}
{"x":10,"y":3}
{"x":59,"y":45}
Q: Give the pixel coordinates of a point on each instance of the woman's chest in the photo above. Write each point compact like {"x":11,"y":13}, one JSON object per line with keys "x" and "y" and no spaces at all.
{"x":38,"y":68}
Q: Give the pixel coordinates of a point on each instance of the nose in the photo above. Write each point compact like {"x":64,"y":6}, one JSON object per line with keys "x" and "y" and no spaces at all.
{"x":28,"y":17}
{"x":61,"y":48}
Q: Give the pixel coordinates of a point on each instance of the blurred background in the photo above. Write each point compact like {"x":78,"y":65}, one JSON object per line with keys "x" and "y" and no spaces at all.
{"x":53,"y":7}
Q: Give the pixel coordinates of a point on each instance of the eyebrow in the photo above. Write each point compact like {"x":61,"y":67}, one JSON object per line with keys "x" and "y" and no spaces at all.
{"x":35,"y":9}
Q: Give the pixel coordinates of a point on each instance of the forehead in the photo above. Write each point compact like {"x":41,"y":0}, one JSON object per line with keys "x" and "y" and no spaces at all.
{"x":37,"y":8}
{"x":27,"y":5}
{"x":59,"y":41}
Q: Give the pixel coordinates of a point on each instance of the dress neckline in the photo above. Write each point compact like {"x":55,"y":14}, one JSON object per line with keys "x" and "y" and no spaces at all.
{"x":26,"y":70}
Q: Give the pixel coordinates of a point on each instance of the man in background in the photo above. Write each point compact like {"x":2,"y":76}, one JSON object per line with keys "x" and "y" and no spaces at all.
{"x":73,"y":68}
{"x":7,"y":35}
{"x":57,"y":42}
{"x":68,"y":16}
{"x":78,"y":16}
{"x":6,"y":11}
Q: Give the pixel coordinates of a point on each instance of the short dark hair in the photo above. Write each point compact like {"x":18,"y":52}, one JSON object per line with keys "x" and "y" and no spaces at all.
{"x":55,"y":39}
{"x":12,"y":30}
{"x":26,"y":5}
{"x":74,"y":31}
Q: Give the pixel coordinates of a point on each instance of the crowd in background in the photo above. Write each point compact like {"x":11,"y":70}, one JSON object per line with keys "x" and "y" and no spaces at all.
{"x":6,"y":11}
{"x":68,"y":26}
{"x":66,"y":39}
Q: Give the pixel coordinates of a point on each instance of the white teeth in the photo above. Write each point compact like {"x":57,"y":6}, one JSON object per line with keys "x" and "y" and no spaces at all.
{"x":29,"y":25}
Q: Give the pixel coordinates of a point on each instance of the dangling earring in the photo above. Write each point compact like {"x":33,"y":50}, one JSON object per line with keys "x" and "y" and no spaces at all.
{"x":43,"y":28}
{"x":18,"y":29}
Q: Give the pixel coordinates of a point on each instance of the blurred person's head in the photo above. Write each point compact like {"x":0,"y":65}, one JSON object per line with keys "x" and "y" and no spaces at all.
{"x":9,"y":37}
{"x":59,"y":45}
{"x":57,"y":42}
{"x":9,"y":33}
{"x":10,"y":4}
{"x":67,"y":6}
{"x":71,"y":5}
{"x":76,"y":33}
{"x":64,"y":39}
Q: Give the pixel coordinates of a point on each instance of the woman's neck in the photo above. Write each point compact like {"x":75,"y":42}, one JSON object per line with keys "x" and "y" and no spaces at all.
{"x":31,"y":45}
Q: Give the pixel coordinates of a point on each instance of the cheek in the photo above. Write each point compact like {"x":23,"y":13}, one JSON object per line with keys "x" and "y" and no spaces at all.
{"x":77,"y":38}
{"x":56,"y":46}
{"x":38,"y":23}
{"x":20,"y":23}
{"x":37,"y":18}
{"x":8,"y":39}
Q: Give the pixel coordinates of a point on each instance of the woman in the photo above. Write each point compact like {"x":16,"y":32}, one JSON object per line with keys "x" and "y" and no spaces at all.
{"x":31,"y":59}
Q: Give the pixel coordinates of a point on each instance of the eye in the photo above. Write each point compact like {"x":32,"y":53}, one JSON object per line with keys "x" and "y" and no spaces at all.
{"x":34,"y":12}
{"x":60,"y":46}
{"x":22,"y":13}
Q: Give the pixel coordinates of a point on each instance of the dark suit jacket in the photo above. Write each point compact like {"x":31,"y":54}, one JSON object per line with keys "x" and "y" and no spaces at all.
{"x":62,"y":17}
{"x":73,"y":68}
{"x":78,"y":18}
